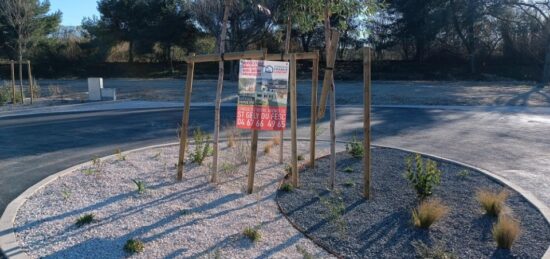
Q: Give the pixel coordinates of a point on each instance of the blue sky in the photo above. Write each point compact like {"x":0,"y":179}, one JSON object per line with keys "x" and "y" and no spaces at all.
{"x":74,"y":10}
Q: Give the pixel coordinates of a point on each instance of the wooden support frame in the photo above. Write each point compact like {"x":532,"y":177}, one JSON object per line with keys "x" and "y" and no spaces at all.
{"x":30,"y":80}
{"x":192,"y":59}
{"x":313,"y":117}
{"x":367,"y":63}
{"x":12,"y":64}
{"x":293,"y":121}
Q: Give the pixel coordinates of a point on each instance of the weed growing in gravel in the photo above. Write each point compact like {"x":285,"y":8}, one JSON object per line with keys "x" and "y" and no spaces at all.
{"x":242,"y":151}
{"x":301,"y":158}
{"x":288,"y":169}
{"x":84,"y":220}
{"x":492,"y":202}
{"x":463,"y":174}
{"x":66,"y":194}
{"x":276,"y":140}
{"x":133,"y":246}
{"x":355,"y":148}
{"x":267,"y":148}
{"x":202,"y":146}
{"x":349,"y":183}
{"x":319,"y":130}
{"x":157,"y":155}
{"x":217,"y":254}
{"x":286,"y":187}
{"x":305,"y":254}
{"x":428,"y":212}
{"x":335,"y":207}
{"x":186,"y":212}
{"x":140,"y":185}
{"x":436,"y":252}
{"x":423,"y":176}
{"x":506,"y":231}
{"x":253,"y":234}
{"x":348,"y":169}
{"x":228,"y":168}
{"x":119,"y":155}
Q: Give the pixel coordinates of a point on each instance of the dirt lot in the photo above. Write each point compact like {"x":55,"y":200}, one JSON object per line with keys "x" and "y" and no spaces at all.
{"x":348,"y":92}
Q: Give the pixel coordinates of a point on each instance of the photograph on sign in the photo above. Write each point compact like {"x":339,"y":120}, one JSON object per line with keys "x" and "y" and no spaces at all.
{"x":263,"y":92}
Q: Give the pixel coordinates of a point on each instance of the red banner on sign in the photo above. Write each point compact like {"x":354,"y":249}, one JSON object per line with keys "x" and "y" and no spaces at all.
{"x":261,"y":117}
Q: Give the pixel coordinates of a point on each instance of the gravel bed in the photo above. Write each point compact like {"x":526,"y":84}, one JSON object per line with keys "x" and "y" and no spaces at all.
{"x":191,"y":219}
{"x":382,"y":228}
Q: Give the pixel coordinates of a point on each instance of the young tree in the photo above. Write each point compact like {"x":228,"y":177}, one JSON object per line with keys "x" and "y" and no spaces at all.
{"x":25,"y":23}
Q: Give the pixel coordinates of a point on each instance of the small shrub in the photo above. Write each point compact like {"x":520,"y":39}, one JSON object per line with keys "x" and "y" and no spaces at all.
{"x":133,"y":246}
{"x":428,"y":212}
{"x":140,"y":185}
{"x":286,"y":187}
{"x":119,"y":155}
{"x":349,"y":183}
{"x":84,"y":220}
{"x":253,"y":234}
{"x":492,"y":202}
{"x":437,"y":252}
{"x":305,"y":254}
{"x":348,"y":170}
{"x":301,"y":158}
{"x":202,"y":147}
{"x":423,"y":176}
{"x":506,"y":231}
{"x":267,"y":148}
{"x":355,"y":148}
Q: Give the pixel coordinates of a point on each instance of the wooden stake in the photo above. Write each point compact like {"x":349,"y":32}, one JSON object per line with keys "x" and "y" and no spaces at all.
{"x":329,"y":72}
{"x":219,"y":89}
{"x":313,"y":117}
{"x":252,"y":163}
{"x":286,"y":53}
{"x":13,"y":100}
{"x":185,"y":119}
{"x":21,"y":81}
{"x":293,"y":122}
{"x":30,"y":80}
{"x":366,"y":121}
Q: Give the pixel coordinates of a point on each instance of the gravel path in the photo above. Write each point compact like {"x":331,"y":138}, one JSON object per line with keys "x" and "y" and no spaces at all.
{"x":381,"y":228}
{"x":174,"y":219}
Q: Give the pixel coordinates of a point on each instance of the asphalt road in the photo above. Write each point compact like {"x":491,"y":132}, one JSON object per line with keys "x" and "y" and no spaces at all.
{"x":510,"y":142}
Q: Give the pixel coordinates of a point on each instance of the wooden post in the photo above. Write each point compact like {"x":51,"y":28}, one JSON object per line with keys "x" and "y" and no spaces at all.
{"x":366,"y":121}
{"x":328,"y":80}
{"x":30,"y":80}
{"x":21,"y":81}
{"x":313,"y":117}
{"x":286,"y":52}
{"x":293,"y":122}
{"x":185,"y":119}
{"x":328,"y":83}
{"x":252,"y":162}
{"x":13,"y":100}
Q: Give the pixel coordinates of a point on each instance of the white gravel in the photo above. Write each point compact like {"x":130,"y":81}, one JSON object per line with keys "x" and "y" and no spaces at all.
{"x":174,"y":219}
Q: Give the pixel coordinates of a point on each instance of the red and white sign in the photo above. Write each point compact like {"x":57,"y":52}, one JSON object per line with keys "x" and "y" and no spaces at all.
{"x":263,"y":92}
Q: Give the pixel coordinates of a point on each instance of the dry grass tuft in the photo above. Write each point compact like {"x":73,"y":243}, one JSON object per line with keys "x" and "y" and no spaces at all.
{"x":276,"y":140}
{"x":267,"y":148}
{"x":492,"y":202}
{"x":428,"y":212}
{"x":506,"y":231}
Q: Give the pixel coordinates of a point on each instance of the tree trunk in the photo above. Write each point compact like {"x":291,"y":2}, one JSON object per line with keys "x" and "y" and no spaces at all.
{"x":131,"y":52}
{"x":219,"y":88}
{"x":546,"y":71}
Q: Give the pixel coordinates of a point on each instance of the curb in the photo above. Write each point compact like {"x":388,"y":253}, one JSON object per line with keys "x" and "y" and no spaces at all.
{"x":11,"y":249}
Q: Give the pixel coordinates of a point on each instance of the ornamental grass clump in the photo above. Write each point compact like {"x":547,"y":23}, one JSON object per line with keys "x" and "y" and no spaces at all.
{"x":492,"y":202}
{"x":252,"y":234}
{"x":429,"y":212}
{"x":286,"y":187}
{"x":85,"y":220}
{"x":506,"y":231}
{"x":422,"y":175}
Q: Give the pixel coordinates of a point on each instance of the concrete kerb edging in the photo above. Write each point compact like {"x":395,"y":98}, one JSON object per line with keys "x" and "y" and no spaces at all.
{"x":11,"y":249}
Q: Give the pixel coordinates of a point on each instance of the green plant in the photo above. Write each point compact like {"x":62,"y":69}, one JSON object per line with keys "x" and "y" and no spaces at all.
{"x":140,"y":185}
{"x":506,"y":231}
{"x":157,"y":155}
{"x":301,"y":158}
{"x":423,"y":176}
{"x":286,"y":187}
{"x":355,"y":147}
{"x":288,"y":169}
{"x":228,"y":168}
{"x":88,"y":171}
{"x":335,"y":207}
{"x":349,"y":183}
{"x":202,"y":146}
{"x":319,"y":130}
{"x":84,"y":220}
{"x":119,"y":155}
{"x":492,"y":202}
{"x":66,"y":194}
{"x":463,"y":173}
{"x":436,"y":252}
{"x":305,"y":254}
{"x":186,"y":212}
{"x":216,"y":254}
{"x":96,"y":163}
{"x":133,"y":246}
{"x":253,"y":234}
{"x":428,"y":212}
{"x":348,"y":169}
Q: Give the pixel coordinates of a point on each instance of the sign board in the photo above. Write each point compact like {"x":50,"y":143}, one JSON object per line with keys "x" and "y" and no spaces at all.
{"x":263,"y":92}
